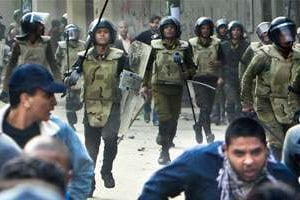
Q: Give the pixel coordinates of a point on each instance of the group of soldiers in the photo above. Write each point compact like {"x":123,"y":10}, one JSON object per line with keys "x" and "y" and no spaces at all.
{"x":215,"y":64}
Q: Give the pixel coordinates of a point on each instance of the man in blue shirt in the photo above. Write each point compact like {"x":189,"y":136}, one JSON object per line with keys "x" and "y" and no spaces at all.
{"x":220,"y":170}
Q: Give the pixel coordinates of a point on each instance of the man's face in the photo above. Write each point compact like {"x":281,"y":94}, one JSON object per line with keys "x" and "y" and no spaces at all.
{"x":222,"y":30}
{"x":236,"y":33}
{"x":123,"y":29}
{"x":40,"y":105}
{"x":102,"y":36}
{"x":247,"y":156}
{"x":285,"y":39}
{"x":154,"y":24}
{"x":169,"y":31}
{"x":205,"y":31}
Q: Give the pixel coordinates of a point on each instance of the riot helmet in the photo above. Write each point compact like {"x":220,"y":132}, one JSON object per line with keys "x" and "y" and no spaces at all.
{"x":235,"y":24}
{"x":104,"y":23}
{"x":221,"y":23}
{"x":204,"y":21}
{"x":72,"y":31}
{"x":30,"y":23}
{"x":262,"y":32}
{"x":282,"y":30}
{"x":169,"y":20}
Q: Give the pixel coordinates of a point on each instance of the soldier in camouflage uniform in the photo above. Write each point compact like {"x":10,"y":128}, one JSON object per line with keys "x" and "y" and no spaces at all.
{"x":101,"y":73}
{"x":74,"y":45}
{"x":274,"y":69}
{"x":207,"y":56}
{"x":167,"y":81}
{"x":233,"y":50}
{"x":31,"y":47}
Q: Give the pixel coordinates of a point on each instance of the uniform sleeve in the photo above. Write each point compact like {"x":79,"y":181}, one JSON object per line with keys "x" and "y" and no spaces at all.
{"x":59,"y":56}
{"x":52,"y":63}
{"x":11,"y":64}
{"x":256,"y":66}
{"x":188,"y":61}
{"x":82,"y":166}
{"x":245,"y":61}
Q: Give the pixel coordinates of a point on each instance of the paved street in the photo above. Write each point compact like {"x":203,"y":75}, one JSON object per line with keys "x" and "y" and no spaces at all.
{"x":137,"y":155}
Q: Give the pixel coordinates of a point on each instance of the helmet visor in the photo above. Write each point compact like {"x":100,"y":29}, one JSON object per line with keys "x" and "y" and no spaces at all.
{"x":285,"y":35}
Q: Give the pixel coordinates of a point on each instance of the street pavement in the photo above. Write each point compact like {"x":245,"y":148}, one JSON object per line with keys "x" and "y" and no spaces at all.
{"x":137,"y":154}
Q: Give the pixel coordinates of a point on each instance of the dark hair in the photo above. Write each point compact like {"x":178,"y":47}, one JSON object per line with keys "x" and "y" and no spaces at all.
{"x":272,"y":191}
{"x":154,"y":17}
{"x":245,"y":127}
{"x":14,"y":96}
{"x":32,"y":168}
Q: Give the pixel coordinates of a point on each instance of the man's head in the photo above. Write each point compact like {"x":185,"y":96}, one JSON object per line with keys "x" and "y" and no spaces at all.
{"x":282,"y":32}
{"x":49,"y":149}
{"x":32,"y":87}
{"x":204,"y":27}
{"x":123,"y":29}
{"x":102,"y":33}
{"x":154,"y":22}
{"x":236,"y":30}
{"x":169,"y":28}
{"x":32,"y":24}
{"x":72,"y":31}
{"x":31,"y":168}
{"x":262,"y":32}
{"x":246,"y":148}
{"x":221,"y":27}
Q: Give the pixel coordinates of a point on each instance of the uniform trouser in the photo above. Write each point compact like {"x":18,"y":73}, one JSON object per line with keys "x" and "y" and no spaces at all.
{"x":168,"y":107}
{"x":218,"y":111}
{"x":205,"y":99}
{"x":275,"y":131}
{"x":233,"y":100}
{"x":73,"y":104}
{"x":109,"y":134}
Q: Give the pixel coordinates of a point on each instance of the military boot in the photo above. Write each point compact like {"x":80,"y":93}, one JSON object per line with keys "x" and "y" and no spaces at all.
{"x":164,"y":157}
{"x":163,"y":132}
{"x":207,"y":129}
{"x":198,"y":132}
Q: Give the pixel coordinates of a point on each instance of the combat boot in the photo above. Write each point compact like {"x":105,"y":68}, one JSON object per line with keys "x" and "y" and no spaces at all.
{"x":163,"y":132}
{"x":109,"y":181}
{"x":207,"y":129}
{"x":164,"y":157}
{"x":198,"y":132}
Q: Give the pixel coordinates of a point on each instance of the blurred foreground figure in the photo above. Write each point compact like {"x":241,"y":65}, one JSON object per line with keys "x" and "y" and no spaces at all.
{"x":220,"y":170}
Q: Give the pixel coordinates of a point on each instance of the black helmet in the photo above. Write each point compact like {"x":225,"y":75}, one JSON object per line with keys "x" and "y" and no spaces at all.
{"x":104,"y":23}
{"x":235,"y":24}
{"x":220,"y":23}
{"x":72,"y":31}
{"x":204,"y":21}
{"x":169,"y":20}
{"x":30,"y":23}
{"x":280,"y":25}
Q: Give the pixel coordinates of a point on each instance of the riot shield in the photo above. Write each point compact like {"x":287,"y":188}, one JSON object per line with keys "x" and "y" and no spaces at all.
{"x":130,"y":84}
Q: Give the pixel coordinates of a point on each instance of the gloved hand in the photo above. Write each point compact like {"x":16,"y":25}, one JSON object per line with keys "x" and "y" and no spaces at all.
{"x":177,"y":58}
{"x":72,"y":78}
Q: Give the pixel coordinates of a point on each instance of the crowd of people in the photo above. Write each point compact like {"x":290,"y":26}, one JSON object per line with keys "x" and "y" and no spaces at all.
{"x":254,"y":86}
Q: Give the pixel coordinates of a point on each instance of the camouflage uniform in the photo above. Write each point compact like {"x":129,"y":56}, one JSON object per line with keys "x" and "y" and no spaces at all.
{"x":275,"y":105}
{"x":38,"y":53}
{"x":73,"y":100}
{"x":208,"y":74}
{"x":167,"y":85}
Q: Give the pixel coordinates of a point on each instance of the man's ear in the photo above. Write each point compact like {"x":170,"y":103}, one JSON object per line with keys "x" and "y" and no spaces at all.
{"x":224,"y":148}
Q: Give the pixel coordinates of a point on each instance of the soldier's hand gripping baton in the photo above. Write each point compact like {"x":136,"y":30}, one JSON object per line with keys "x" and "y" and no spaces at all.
{"x":74,"y":76}
{"x":197,"y":128}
